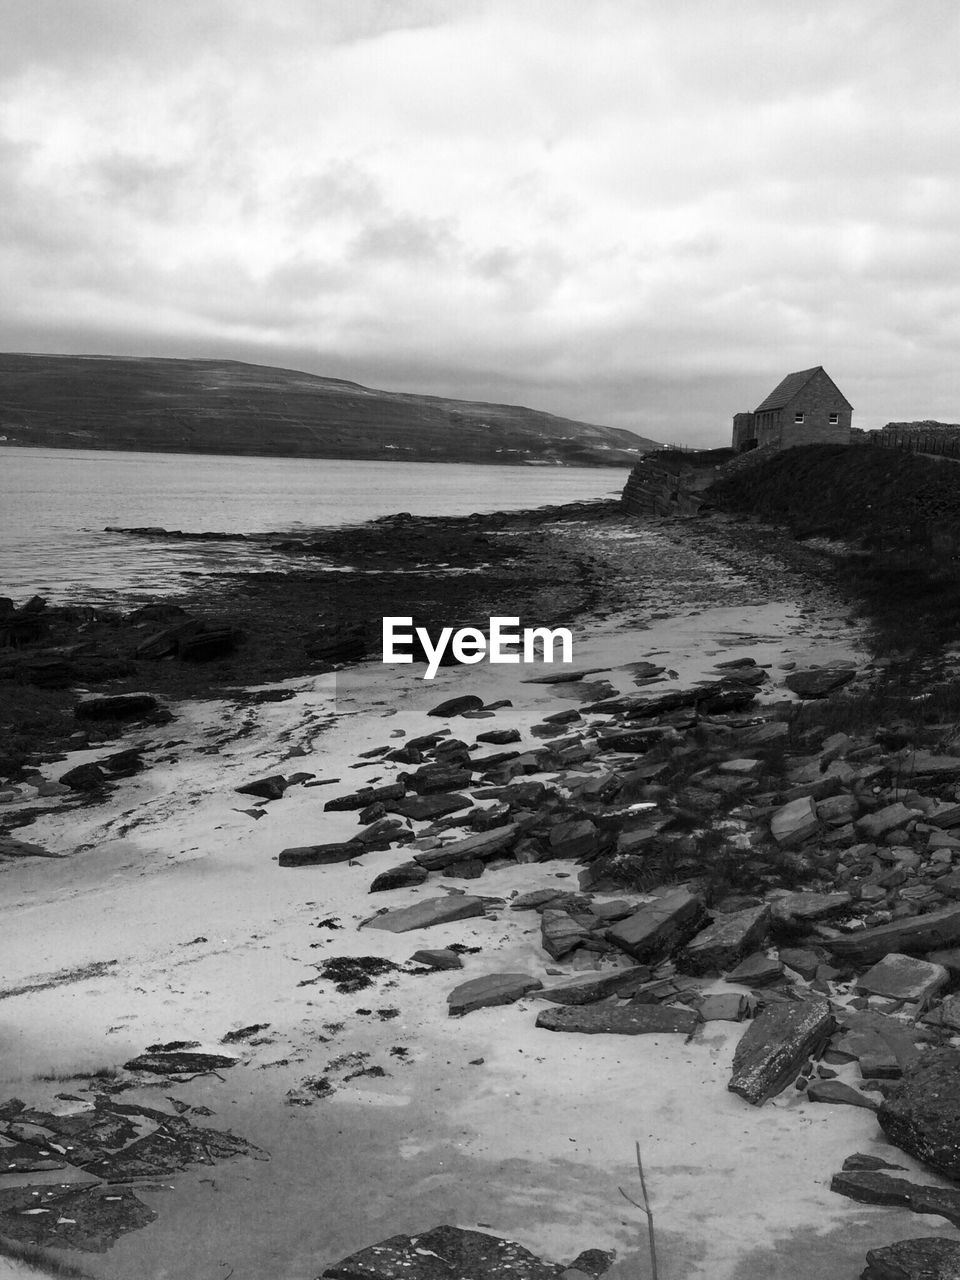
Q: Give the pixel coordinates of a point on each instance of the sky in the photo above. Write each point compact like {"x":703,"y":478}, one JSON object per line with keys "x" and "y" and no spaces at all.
{"x":636,"y":213}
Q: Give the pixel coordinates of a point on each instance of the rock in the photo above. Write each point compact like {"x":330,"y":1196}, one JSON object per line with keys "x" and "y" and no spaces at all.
{"x":115,"y":706}
{"x":807,"y":907}
{"x":594,"y":986}
{"x":11,"y":848}
{"x":559,"y":933}
{"x":874,"y":826}
{"x":79,"y":1215}
{"x":626,"y":1019}
{"x":722,"y":943}
{"x":490,"y":989}
{"x":437,"y":958}
{"x":179,"y":1062}
{"x":758,"y":970}
{"x":838,"y":1092}
{"x":427,"y":808}
{"x":573,"y":839}
{"x":776,"y":1044}
{"x":444,"y":1253}
{"x":818,"y":681}
{"x":402,"y":876}
{"x":860,"y":1161}
{"x":724,"y":1006}
{"x":85,"y":777}
{"x":925,"y":1258}
{"x":946,"y":1015}
{"x":457,"y":706}
{"x":320,"y":855}
{"x":499,"y":737}
{"x":914,"y":934}
{"x":922,"y":1114}
{"x":801,"y":960}
{"x":366,"y":796}
{"x":271,"y":788}
{"x":880,"y":1188}
{"x":208,"y":642}
{"x":837,"y":811}
{"x":902,"y":977}
{"x":883,"y":1046}
{"x":429,"y":912}
{"x":924,"y":764}
{"x":486,"y":844}
{"x":795,"y":822}
{"x":661,"y":926}
{"x":431,"y":778}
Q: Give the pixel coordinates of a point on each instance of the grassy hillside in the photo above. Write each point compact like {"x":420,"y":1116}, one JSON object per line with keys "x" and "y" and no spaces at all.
{"x":224,"y":406}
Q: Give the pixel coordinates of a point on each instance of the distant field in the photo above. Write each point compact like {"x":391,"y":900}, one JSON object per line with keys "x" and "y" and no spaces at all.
{"x":225,"y":406}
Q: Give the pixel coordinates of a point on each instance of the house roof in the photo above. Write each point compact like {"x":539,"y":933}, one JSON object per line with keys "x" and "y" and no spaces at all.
{"x":792,"y":385}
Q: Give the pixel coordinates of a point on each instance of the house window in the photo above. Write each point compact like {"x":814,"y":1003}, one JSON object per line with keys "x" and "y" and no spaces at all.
{"x":798,"y":416}
{"x":834,"y":419}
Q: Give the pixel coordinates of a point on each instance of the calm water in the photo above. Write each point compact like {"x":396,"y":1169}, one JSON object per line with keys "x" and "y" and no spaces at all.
{"x":55,"y":503}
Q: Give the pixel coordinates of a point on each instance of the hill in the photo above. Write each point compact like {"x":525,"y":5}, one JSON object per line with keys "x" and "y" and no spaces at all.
{"x":228,"y":407}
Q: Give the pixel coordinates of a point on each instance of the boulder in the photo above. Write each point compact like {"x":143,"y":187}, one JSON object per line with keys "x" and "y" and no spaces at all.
{"x":499,"y":737}
{"x":457,"y":706}
{"x":592,"y":987}
{"x":874,"y":826}
{"x":437,"y":958}
{"x":271,"y":788}
{"x":660,"y":926}
{"x":724,"y":1006}
{"x":490,"y":989}
{"x":758,"y":970}
{"x":870,"y":1187}
{"x":922,"y":1114}
{"x":818,"y":681}
{"x":914,"y":934}
{"x":925,"y":1258}
{"x":795,"y":822}
{"x":431,"y":911}
{"x":429,"y":808}
{"x":626,"y":1019}
{"x":441,"y":776}
{"x":402,"y":876}
{"x":320,"y":855}
{"x":115,"y":706}
{"x":444,"y":1253}
{"x":723,"y":942}
{"x":777,"y":1043}
{"x":794,"y":908}
{"x":573,"y":839}
{"x":900,"y":977}
{"x":560,"y":933}
{"x":85,"y":777}
{"x":486,"y":844}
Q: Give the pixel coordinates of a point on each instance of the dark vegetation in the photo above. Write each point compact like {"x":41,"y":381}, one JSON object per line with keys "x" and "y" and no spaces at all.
{"x":898,"y":515}
{"x":227,"y":407}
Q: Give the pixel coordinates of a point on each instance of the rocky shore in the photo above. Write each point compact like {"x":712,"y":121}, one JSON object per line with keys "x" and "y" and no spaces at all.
{"x":346,"y":970}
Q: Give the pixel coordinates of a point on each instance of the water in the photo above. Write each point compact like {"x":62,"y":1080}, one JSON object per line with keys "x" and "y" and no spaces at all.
{"x":55,"y":503}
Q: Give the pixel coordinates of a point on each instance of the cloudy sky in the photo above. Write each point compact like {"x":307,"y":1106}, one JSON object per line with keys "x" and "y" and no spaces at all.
{"x":634,"y":212}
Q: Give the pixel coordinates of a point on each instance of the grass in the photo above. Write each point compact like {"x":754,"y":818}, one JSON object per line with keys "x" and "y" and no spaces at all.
{"x":33,"y":1256}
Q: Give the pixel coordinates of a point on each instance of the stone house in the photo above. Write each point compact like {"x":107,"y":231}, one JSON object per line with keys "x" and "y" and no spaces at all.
{"x":805,"y":408}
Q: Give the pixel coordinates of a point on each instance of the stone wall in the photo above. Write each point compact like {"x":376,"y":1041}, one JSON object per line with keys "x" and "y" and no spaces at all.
{"x":670,"y":482}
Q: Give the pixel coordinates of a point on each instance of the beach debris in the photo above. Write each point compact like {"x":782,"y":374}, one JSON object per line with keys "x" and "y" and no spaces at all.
{"x":490,"y":989}
{"x":775,"y":1046}
{"x":354,"y":973}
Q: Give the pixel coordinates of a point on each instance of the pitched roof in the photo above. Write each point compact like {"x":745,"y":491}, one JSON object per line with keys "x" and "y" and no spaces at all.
{"x":792,"y":385}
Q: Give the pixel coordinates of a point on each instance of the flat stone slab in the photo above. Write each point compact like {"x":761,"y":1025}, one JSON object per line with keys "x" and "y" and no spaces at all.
{"x":925,"y":763}
{"x":402,"y":876}
{"x":922,"y":1115}
{"x":809,"y":906}
{"x":487,"y":844}
{"x":618,"y":1020}
{"x":444,"y":1253}
{"x":115,"y":706}
{"x":723,"y":942}
{"x":593,"y":987}
{"x":874,"y":826}
{"x":880,"y":1188}
{"x":724,"y":1006}
{"x":431,"y":911}
{"x":818,"y":681}
{"x":902,"y":977}
{"x":457,"y":706}
{"x":560,"y":933}
{"x":775,"y":1046}
{"x":924,"y":1258}
{"x":795,"y":822}
{"x":490,"y":989}
{"x":661,"y":926}
{"x":924,"y":933}
{"x":836,"y":1091}
{"x":320,"y":855}
{"x":426,"y":808}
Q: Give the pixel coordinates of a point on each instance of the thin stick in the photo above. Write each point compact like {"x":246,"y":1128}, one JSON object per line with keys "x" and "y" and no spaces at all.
{"x":645,"y":1208}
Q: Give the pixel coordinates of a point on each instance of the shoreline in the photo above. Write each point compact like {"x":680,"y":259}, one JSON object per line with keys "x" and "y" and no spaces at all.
{"x":178,"y":885}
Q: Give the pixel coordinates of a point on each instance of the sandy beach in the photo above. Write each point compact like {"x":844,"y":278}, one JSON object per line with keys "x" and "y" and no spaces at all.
{"x":166,"y":918}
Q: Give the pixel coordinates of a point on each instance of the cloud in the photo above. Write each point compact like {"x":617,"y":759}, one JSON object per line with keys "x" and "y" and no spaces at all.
{"x":626,"y":211}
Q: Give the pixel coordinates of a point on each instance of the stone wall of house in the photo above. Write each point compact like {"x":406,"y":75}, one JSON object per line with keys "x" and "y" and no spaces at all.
{"x":744,"y":431}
